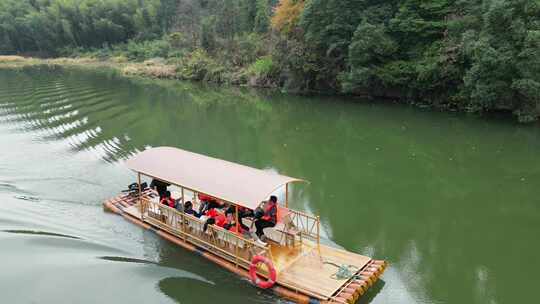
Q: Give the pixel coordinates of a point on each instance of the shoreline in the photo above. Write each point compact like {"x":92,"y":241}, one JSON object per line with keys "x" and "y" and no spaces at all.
{"x":148,"y":69}
{"x":156,"y":69}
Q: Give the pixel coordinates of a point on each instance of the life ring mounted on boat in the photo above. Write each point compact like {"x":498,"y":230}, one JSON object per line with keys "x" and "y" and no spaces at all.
{"x":271,"y":272}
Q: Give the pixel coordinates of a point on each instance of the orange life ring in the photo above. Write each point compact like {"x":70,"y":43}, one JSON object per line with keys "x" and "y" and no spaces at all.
{"x":271,"y":272}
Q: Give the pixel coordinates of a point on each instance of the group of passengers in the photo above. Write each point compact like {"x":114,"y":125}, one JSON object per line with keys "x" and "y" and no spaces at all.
{"x":214,"y":212}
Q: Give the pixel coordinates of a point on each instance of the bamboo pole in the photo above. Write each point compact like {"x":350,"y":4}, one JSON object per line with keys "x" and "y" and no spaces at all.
{"x":236,"y":218}
{"x":183,"y":199}
{"x":183,"y":212}
{"x":318,"y":234}
{"x":140,"y":194}
{"x":287,"y":195}
{"x":237,"y":231}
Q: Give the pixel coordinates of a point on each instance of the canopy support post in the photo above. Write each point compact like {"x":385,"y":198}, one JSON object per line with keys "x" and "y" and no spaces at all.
{"x":140,"y":193}
{"x":183,"y":213}
{"x":318,"y":234}
{"x":287,"y":195}
{"x":236,"y":217}
{"x":183,"y":199}
{"x":237,"y":231}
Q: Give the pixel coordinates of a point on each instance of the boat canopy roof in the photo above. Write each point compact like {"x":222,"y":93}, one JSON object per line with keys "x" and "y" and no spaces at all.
{"x":234,"y":183}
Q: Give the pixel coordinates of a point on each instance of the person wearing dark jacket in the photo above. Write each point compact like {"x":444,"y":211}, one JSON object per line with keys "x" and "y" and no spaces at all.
{"x":160,"y":187}
{"x":267,"y":218}
{"x":188,"y":209}
{"x":244,"y":212}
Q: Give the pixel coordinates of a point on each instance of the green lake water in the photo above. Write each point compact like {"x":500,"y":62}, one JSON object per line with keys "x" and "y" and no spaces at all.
{"x":452,"y":201}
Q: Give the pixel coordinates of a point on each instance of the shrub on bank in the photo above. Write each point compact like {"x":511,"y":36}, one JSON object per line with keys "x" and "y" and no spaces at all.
{"x":199,"y":66}
{"x":263,"y":72}
{"x":140,"y":51}
{"x":133,"y":51}
{"x":242,"y":50}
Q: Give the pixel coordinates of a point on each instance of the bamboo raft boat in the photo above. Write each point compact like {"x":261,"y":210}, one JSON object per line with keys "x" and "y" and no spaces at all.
{"x":296,"y":265}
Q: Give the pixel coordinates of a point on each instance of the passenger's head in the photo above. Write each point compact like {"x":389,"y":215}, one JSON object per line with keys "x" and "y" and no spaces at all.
{"x":167,"y":193}
{"x":273,"y":199}
{"x":214,"y":204}
{"x":230,"y":210}
{"x":188,"y":205}
{"x":230,"y":218}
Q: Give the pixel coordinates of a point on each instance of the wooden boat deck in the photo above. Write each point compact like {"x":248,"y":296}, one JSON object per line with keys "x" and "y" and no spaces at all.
{"x":312,"y":269}
{"x":133,"y":211}
{"x":306,"y":268}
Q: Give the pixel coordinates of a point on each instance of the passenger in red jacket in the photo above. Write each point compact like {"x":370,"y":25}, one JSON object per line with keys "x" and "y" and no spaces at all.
{"x":220,"y":219}
{"x":214,"y":215}
{"x":231,"y":225}
{"x":167,"y":199}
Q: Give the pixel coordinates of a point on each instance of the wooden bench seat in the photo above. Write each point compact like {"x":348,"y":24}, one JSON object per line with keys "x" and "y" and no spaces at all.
{"x":284,"y":232}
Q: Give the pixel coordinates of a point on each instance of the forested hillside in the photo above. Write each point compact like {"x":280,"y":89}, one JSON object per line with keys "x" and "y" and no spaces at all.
{"x":474,"y":55}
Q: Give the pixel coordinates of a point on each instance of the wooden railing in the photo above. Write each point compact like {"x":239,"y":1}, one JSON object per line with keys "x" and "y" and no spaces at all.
{"x":307,"y":225}
{"x":229,"y":245}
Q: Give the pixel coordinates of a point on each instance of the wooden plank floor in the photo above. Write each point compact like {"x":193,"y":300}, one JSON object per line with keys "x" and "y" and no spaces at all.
{"x":284,"y":256}
{"x":311,"y":273}
{"x":133,"y":211}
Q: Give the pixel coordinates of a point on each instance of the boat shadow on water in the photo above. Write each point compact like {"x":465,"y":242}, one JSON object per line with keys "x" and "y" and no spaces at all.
{"x":226,"y":287}
{"x":373,"y":291}
{"x":36,"y":232}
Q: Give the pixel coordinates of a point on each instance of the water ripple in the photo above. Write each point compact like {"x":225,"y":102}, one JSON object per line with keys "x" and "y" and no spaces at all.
{"x":37,"y":232}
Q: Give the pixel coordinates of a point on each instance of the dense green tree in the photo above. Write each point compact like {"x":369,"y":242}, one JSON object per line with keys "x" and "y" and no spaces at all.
{"x":226,"y":21}
{"x":474,"y":55}
{"x":504,"y":72}
{"x":187,"y":20}
{"x":167,"y":14}
{"x":370,"y":48}
{"x":208,"y":35}
{"x":48,"y":26}
{"x":262,"y":17}
{"x":247,"y":10}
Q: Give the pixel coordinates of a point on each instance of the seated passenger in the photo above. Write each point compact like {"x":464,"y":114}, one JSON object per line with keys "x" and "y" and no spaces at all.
{"x":267,"y":217}
{"x":244,"y":212}
{"x":231,"y":225}
{"x":178,"y":204}
{"x":208,"y":205}
{"x":213,"y":215}
{"x":188,"y":209}
{"x":167,"y":199}
{"x":160,"y":187}
{"x":204,"y":198}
